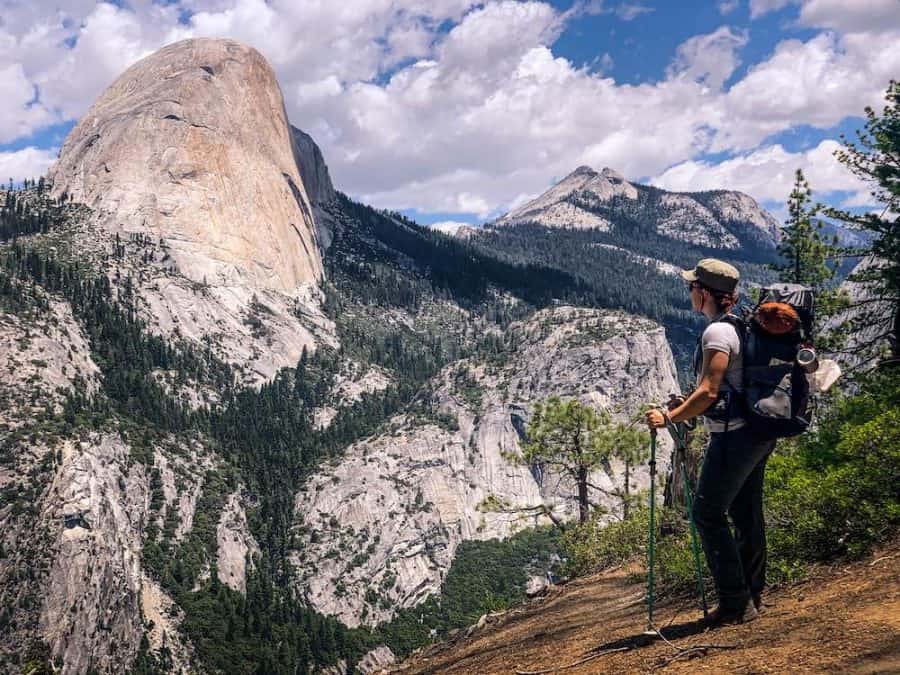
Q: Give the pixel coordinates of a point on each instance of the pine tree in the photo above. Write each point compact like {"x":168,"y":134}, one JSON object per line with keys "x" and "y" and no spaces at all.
{"x":631,"y":446}
{"x":806,"y":254}
{"x":802,"y":246}
{"x":571,"y":438}
{"x":875,"y":158}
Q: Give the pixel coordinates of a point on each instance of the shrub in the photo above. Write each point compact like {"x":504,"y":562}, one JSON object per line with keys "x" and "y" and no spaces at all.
{"x":835,"y":492}
{"x":593,"y":546}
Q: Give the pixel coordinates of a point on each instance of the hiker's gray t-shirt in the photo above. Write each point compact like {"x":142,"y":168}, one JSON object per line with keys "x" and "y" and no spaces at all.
{"x":721,"y":336}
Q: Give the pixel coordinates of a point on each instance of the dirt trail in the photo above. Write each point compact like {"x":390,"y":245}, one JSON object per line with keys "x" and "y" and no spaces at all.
{"x":843,"y":619}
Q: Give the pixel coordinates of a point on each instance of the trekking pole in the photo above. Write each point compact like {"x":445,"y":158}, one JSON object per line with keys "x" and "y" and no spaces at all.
{"x":651,"y":544}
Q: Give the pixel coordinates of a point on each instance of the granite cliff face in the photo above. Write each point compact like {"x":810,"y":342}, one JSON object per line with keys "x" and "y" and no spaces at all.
{"x":318,"y":185}
{"x":869,"y":320}
{"x":194,"y":179}
{"x":94,"y":513}
{"x":191,"y":145}
{"x":75,"y":509}
{"x":378,"y":531}
{"x":78,"y":511}
{"x":313,"y":170}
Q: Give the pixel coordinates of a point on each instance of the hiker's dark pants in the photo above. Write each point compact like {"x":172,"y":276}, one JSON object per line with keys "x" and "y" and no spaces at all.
{"x":731,"y":483}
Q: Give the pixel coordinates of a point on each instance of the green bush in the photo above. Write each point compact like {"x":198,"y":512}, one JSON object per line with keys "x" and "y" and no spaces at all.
{"x":834,"y":492}
{"x":593,"y":546}
{"x":485,"y":576}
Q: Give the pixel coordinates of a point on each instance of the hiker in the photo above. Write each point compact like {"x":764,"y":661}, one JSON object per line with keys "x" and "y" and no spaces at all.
{"x":731,"y":479}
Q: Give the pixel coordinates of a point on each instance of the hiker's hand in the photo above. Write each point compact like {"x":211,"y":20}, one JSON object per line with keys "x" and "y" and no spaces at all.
{"x":656,"y":419}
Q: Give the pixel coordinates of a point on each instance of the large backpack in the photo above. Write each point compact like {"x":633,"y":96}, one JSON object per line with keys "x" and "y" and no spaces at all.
{"x":775,"y":400}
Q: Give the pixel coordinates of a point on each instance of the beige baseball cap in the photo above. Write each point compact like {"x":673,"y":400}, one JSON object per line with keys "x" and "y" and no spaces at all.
{"x":715,"y":274}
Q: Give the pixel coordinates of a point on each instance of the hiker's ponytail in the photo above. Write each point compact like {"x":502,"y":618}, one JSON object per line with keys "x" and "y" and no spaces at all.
{"x":725,"y":300}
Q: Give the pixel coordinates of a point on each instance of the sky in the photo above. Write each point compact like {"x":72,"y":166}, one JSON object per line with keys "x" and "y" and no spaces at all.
{"x":456,"y":111}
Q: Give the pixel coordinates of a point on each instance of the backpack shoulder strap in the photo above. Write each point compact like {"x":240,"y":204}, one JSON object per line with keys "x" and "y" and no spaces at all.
{"x":739,"y":324}
{"x":740,"y":327}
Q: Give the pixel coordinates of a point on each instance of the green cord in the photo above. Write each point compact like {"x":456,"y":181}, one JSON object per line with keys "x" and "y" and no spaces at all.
{"x":689,"y":502}
{"x":652,"y":535}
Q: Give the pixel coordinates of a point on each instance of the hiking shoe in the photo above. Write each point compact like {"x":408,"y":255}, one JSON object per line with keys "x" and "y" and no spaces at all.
{"x":724,"y":617}
{"x":757,"y":602}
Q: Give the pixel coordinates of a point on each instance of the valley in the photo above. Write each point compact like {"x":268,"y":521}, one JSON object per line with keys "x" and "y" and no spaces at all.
{"x":250,"y":424}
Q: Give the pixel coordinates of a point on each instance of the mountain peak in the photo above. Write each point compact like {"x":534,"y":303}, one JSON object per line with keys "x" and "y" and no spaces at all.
{"x":199,"y":117}
{"x":588,"y":199}
{"x":612,"y":174}
{"x":557,"y":207}
{"x":583,"y":170}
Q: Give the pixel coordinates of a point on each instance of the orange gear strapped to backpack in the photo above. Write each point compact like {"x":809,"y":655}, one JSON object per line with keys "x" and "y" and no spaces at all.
{"x":777,"y":318}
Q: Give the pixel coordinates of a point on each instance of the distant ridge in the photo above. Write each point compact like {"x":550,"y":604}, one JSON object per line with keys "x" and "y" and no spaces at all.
{"x":591,"y":200}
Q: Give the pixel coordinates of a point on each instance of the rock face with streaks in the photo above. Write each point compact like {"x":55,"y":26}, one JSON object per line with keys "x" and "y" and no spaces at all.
{"x":376,"y":660}
{"x":317,"y":182}
{"x":191,"y":145}
{"x":378,"y":530}
{"x":235,"y":545}
{"x":195,"y":182}
{"x":40,"y":358}
{"x":685,"y":219}
{"x":95,"y":513}
{"x":163,"y":617}
{"x":869,"y":321}
{"x":313,"y":170}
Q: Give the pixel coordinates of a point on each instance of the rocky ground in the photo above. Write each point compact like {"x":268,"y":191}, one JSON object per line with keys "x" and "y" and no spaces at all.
{"x":845,"y":618}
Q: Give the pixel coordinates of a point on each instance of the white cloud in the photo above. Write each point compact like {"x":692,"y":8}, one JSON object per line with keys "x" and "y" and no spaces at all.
{"x":306,"y":42}
{"x":312,"y":92}
{"x":768,"y":174}
{"x":471,"y":120}
{"x":626,"y":10}
{"x":840,"y":15}
{"x":728,"y":6}
{"x":817,"y":82}
{"x":17,"y":94}
{"x":710,"y":58}
{"x":493,"y":114}
{"x":760,"y":7}
{"x":872,"y":15}
{"x":25,"y":163}
{"x":606,"y":62}
{"x":631,"y":10}
{"x":109,"y":40}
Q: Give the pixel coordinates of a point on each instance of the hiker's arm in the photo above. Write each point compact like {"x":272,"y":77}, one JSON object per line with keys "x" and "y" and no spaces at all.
{"x":715,"y":363}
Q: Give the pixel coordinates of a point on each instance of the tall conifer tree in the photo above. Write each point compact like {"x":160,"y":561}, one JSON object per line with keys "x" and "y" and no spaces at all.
{"x":875,"y":158}
{"x":806,"y":253}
